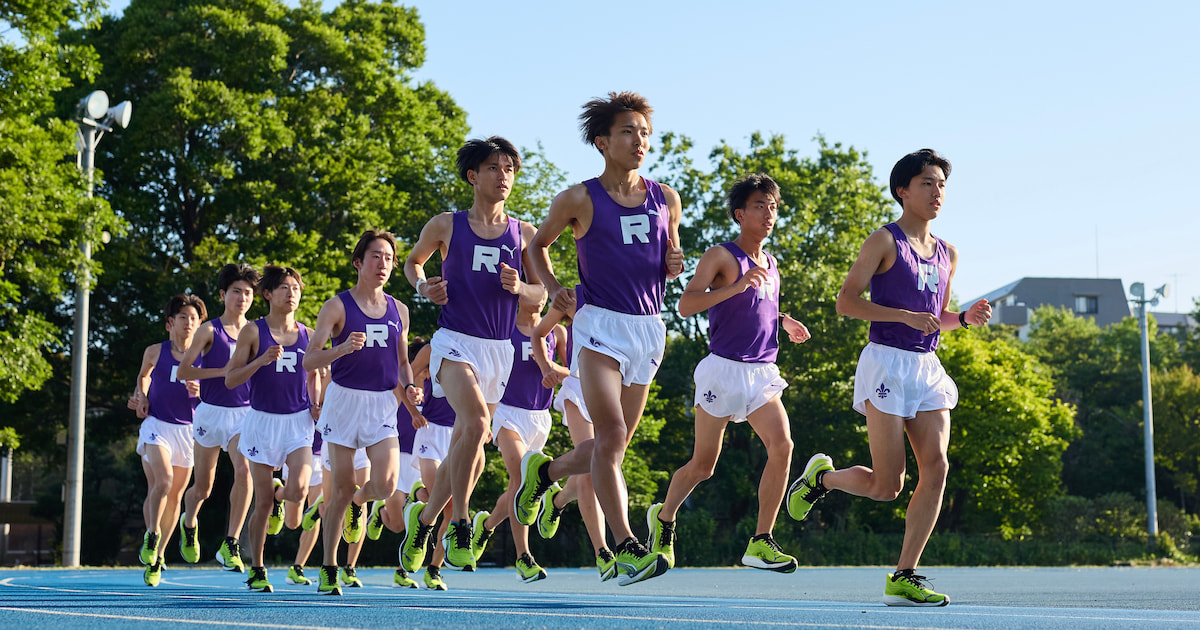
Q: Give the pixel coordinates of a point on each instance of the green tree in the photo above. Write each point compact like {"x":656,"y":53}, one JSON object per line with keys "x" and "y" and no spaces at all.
{"x":46,"y":209}
{"x":1177,"y":432}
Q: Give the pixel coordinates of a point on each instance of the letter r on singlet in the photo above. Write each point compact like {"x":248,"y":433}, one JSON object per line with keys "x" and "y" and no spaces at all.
{"x":286,"y":362}
{"x":635,"y":225}
{"x":175,"y":374}
{"x":485,"y":257}
{"x":927,"y":277}
{"x":526,"y":350}
{"x":377,"y":335}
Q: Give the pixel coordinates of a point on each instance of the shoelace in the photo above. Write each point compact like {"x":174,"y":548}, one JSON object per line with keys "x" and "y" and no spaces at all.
{"x":329,"y":576}
{"x":772,"y":544}
{"x":919,"y":581}
{"x":812,"y":493}
{"x":606,"y":555}
{"x":668,"y":534}
{"x":355,"y":512}
{"x":462,"y":536}
{"x":636,"y":548}
{"x":484,"y":535}
{"x":422,"y":534}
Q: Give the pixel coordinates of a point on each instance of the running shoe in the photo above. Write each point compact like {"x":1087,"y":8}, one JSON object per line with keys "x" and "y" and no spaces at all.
{"x":153,"y":574}
{"x":433,"y":579}
{"x":349,"y":578}
{"x":548,"y":515}
{"x":312,"y":515}
{"x":482,"y":534}
{"x":457,"y":542}
{"x":275,"y":520}
{"x":230,"y":555}
{"x":375,"y":520}
{"x":258,"y":580}
{"x":296,"y":576}
{"x":606,"y":564}
{"x":328,"y":582}
{"x":412,"y":493}
{"x":188,"y":547}
{"x":805,"y":491}
{"x":528,"y":569}
{"x":149,"y":552}
{"x":906,"y":588}
{"x":416,"y":536}
{"x":401,"y":580}
{"x":636,"y":563}
{"x":764,"y":553}
{"x":353,"y":530}
{"x":533,"y":486}
{"x":662,"y":534}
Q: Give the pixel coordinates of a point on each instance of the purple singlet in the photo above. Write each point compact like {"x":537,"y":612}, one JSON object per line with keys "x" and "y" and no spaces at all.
{"x":622,"y":257}
{"x":405,"y":428}
{"x":168,"y":396}
{"x":436,"y":410}
{"x":478,"y":305}
{"x":914,"y":284}
{"x":281,"y":386}
{"x":376,"y":366}
{"x":318,"y":442}
{"x":745,"y":327}
{"x":524,"y":389}
{"x":213,"y":390}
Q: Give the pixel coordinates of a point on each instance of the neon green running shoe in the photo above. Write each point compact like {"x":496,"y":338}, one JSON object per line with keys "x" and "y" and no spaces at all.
{"x":805,"y":491}
{"x":353,"y":530}
{"x":416,"y":537}
{"x":230,"y":555}
{"x":548,"y":515}
{"x":152,"y":575}
{"x":635,"y":563}
{"x":149,"y":552}
{"x":528,"y":569}
{"x":433,"y":579}
{"x":412,"y":493}
{"x":188,"y":547}
{"x":401,"y":580}
{"x":482,"y":534}
{"x":457,"y":542}
{"x":258,"y":580}
{"x":312,"y":515}
{"x":533,"y":486}
{"x":606,"y":564}
{"x":349,"y":578}
{"x":328,"y":582}
{"x":662,"y":534}
{"x":764,"y":553}
{"x":375,"y":520}
{"x":275,"y":520}
{"x":905,"y":588}
{"x":296,"y":576}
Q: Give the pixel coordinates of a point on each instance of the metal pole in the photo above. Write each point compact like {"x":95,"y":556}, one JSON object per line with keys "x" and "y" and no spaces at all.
{"x":73,"y":488}
{"x":1148,"y":428}
{"x":5,"y":497}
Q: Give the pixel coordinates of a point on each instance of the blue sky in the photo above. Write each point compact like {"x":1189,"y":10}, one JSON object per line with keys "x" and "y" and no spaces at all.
{"x":1072,"y":126}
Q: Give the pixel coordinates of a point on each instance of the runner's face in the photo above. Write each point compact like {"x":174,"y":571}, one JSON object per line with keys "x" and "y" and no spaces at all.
{"x":238,"y":297}
{"x":759,"y":215}
{"x":494,"y":179}
{"x":925,"y":193}
{"x":628,"y":141}
{"x":377,"y":263}
{"x":285,"y":297}
{"x":183,"y":324}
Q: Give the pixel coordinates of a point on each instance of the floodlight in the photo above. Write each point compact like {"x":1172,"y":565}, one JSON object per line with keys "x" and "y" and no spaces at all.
{"x":94,"y":105}
{"x":119,"y":115}
{"x":1164,"y":290}
{"x":1137,"y":289}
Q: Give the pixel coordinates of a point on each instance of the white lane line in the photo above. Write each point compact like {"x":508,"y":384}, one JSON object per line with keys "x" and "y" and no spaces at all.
{"x":168,"y":620}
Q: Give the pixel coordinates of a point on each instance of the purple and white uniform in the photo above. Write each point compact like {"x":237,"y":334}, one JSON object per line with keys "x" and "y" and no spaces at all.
{"x":739,"y":375}
{"x":570,"y":390}
{"x":432,"y":441}
{"x":479,"y":312}
{"x":279,"y":422}
{"x":622,"y":268}
{"x":409,"y":473}
{"x":360,"y":406}
{"x":525,"y":408}
{"x":218,"y":419}
{"x":169,"y":420}
{"x":898,"y":371}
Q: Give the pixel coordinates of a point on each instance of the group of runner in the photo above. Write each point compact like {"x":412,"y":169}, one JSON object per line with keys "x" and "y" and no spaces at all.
{"x":373,"y":431}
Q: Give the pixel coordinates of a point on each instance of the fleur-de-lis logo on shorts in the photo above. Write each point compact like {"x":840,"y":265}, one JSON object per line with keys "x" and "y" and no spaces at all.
{"x":200,"y":431}
{"x":454,"y":353}
{"x":253,"y":452}
{"x":709,"y":396}
{"x":153,"y":437}
{"x":882,"y":391}
{"x":327,"y":430}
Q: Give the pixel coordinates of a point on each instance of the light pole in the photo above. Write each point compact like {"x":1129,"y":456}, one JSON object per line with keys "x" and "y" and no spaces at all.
{"x":1139,"y":298}
{"x":94,"y":118}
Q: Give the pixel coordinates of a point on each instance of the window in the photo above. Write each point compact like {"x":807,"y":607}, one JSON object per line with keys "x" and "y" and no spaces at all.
{"x":1087,"y":304}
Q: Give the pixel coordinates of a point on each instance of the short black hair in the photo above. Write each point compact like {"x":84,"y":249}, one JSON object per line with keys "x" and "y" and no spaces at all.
{"x":179,"y":302}
{"x":747,"y":186}
{"x":368,"y":237}
{"x":476,"y":151}
{"x":414,"y":346}
{"x":237,"y":271}
{"x":912,"y":165}
{"x":273,"y":276}
{"x":599,"y":114}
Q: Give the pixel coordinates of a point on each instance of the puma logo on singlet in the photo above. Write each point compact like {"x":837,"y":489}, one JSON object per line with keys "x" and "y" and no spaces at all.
{"x":635,"y":226}
{"x":927,"y":277}
{"x":377,"y":335}
{"x":287,"y":362}
{"x":512,"y":251}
